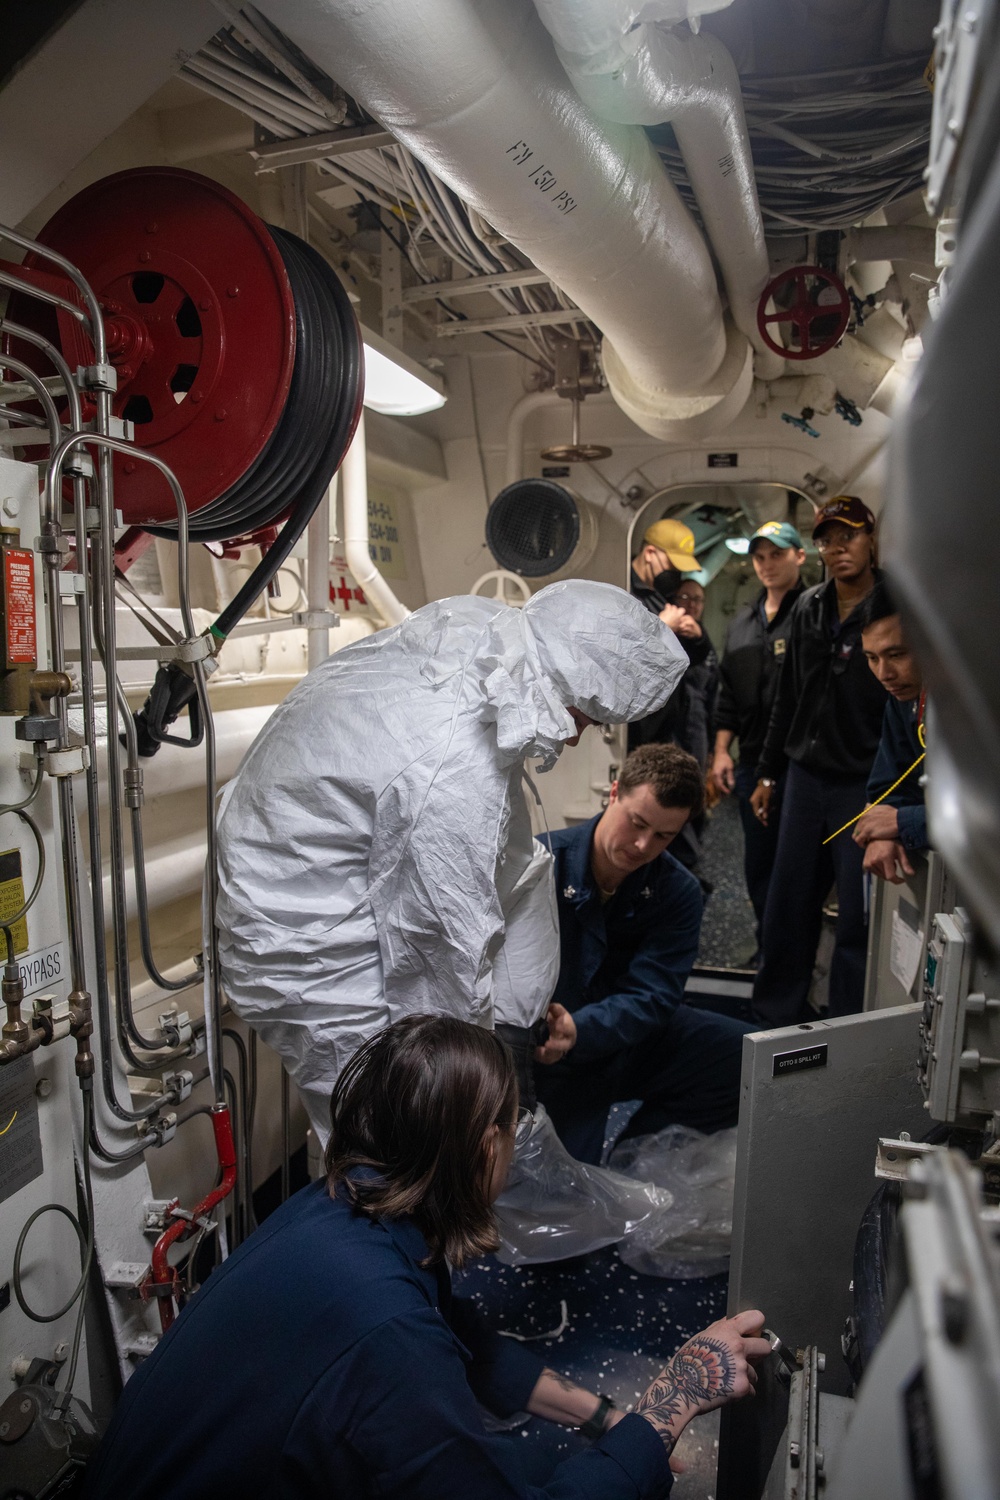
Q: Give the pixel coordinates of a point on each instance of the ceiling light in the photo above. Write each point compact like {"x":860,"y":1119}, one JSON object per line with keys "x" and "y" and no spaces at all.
{"x":395,"y":384}
{"x":738,"y":544}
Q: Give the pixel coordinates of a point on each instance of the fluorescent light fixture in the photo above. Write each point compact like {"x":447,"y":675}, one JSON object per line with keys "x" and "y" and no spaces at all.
{"x":738,"y":544}
{"x":394,"y":383}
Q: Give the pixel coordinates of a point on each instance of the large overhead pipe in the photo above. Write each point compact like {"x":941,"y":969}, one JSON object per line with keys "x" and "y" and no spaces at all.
{"x":474,"y":89}
{"x":649,"y":76}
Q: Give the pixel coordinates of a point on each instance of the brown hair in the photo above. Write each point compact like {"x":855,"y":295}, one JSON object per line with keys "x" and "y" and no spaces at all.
{"x":415,"y":1103}
{"x":673,"y":774}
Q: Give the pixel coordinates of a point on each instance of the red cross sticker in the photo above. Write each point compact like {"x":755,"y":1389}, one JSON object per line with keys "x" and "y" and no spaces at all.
{"x":346,"y":595}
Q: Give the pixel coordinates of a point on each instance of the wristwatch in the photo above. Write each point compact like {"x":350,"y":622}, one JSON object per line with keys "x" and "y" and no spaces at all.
{"x":768,"y":781}
{"x":594,"y":1428}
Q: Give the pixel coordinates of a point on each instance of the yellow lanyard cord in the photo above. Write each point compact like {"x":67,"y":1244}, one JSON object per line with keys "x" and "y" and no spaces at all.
{"x":923,"y":740}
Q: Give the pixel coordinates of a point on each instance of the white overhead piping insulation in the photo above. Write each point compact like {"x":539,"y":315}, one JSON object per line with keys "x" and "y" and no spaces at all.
{"x":476,"y":92}
{"x":645,"y":75}
{"x":354,"y":491}
{"x":602,"y":23}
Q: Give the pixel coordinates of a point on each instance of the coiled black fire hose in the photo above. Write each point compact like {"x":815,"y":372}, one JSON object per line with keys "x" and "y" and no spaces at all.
{"x":291,"y":474}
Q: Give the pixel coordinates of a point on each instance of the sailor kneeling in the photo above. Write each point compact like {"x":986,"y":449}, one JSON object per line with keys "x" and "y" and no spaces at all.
{"x":328,"y":1356}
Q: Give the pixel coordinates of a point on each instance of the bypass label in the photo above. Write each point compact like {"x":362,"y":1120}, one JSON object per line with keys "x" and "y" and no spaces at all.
{"x":42,"y":969}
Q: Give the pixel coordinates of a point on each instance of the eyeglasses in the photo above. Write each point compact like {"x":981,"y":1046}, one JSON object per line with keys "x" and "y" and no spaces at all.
{"x":837,"y":541}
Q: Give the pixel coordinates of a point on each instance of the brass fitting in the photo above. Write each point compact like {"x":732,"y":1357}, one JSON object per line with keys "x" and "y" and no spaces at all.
{"x":48,"y":685}
{"x":82,"y":1027}
{"x":14,"y":1029}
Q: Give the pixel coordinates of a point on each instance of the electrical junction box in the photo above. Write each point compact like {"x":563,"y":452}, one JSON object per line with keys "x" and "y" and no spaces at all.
{"x":960,"y":1027}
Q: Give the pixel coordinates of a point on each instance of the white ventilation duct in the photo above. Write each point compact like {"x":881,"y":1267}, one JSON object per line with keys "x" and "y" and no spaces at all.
{"x":474,"y":89}
{"x":650,"y":76}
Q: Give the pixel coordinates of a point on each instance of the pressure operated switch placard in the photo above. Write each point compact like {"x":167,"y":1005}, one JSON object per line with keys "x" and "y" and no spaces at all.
{"x":18,"y":629}
{"x":20,"y":643}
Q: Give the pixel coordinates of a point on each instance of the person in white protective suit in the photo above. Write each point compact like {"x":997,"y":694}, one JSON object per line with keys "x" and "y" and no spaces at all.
{"x":375,"y":852}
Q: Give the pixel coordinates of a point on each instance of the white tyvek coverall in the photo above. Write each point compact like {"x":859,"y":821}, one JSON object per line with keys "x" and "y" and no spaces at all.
{"x":375,"y":846}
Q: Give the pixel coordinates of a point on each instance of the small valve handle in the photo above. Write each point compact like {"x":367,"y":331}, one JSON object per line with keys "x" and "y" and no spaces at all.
{"x":819,"y":311}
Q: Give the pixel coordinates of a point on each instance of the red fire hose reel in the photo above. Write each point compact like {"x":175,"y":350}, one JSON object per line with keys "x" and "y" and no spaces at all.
{"x":238,"y":359}
{"x":814,"y":305}
{"x":205,"y":309}
{"x":200,"y":327}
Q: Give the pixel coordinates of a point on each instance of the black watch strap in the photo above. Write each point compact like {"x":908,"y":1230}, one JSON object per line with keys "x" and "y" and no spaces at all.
{"x":594,"y":1428}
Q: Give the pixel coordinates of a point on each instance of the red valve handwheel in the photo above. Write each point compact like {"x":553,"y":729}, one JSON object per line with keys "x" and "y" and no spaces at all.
{"x":200,"y":325}
{"x":819,"y":311}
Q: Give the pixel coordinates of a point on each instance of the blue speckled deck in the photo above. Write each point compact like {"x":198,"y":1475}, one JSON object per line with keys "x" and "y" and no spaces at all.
{"x":621,"y":1329}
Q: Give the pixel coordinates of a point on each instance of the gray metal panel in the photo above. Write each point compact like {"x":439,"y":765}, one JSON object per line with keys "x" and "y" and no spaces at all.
{"x":875,"y":1462}
{"x":805,"y":1168}
{"x":913,"y":903}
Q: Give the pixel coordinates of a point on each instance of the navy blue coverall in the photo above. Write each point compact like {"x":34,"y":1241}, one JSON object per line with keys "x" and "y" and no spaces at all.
{"x":323,"y":1360}
{"x":898,"y":748}
{"x":824,"y":728}
{"x":623,"y":967}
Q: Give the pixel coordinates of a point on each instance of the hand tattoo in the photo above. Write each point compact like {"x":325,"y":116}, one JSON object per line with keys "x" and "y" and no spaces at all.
{"x":700,"y":1374}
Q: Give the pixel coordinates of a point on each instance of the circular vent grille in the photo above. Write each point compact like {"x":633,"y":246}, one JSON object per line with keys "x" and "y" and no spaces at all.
{"x":533,"y":527}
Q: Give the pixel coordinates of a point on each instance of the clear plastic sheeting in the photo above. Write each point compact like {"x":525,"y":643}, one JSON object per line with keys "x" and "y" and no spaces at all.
{"x":692,"y":1237}
{"x":554,"y":1207}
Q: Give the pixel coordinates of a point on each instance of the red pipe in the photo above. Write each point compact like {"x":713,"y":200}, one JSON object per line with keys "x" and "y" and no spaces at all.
{"x":163,"y":1272}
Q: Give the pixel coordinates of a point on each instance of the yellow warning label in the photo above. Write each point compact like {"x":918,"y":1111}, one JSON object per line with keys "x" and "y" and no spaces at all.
{"x":12,"y":899}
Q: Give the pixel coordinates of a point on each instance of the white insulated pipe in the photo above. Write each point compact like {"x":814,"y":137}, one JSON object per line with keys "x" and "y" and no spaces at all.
{"x":354,"y":497}
{"x":649,"y":76}
{"x":473,"y":88}
{"x":519,"y":414}
{"x":522,"y":409}
{"x":602,"y":23}
{"x":318,"y":578}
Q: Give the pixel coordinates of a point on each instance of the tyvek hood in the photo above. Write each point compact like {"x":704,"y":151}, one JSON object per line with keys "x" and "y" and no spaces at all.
{"x":606,"y":654}
{"x":575,"y":644}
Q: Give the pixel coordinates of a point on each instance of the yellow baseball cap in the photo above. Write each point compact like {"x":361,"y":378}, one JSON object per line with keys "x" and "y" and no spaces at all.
{"x":677,"y":541}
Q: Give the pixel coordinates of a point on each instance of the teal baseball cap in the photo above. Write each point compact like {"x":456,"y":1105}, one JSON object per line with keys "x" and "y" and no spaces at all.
{"x":778,"y":533}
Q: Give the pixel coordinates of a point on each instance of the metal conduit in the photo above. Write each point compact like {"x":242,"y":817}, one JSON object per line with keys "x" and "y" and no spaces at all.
{"x":110,"y":445}
{"x":101,"y":598}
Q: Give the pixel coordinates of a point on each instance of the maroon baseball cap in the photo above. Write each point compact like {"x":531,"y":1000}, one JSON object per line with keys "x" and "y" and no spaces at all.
{"x":846,"y":510}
